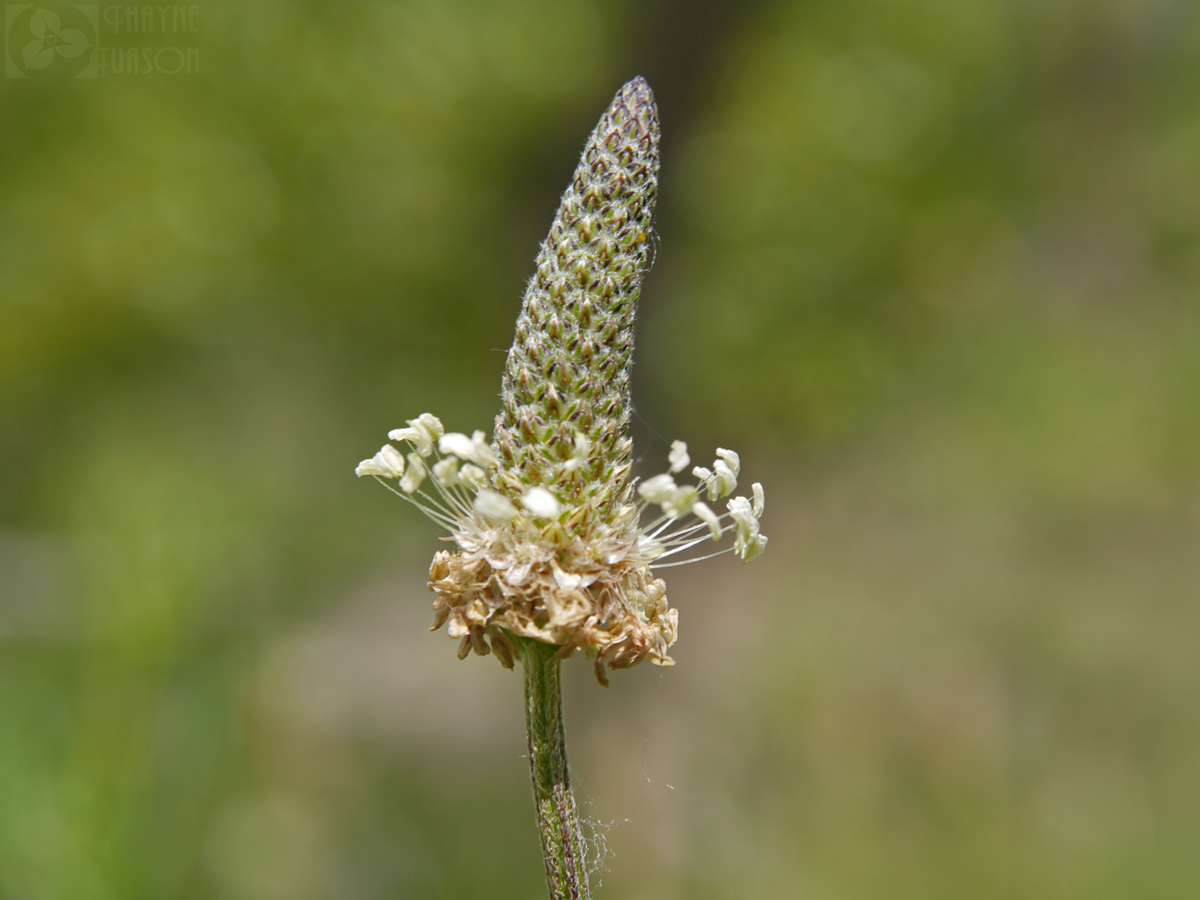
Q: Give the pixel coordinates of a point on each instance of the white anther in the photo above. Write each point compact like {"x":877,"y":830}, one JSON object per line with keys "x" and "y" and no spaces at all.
{"x":709,"y":518}
{"x":422,"y":432}
{"x":724,"y":480}
{"x":482,"y":451}
{"x":456,"y":444}
{"x":678,"y":457}
{"x":732,"y":460}
{"x":681,"y":501}
{"x":583,"y":449}
{"x":469,"y":449}
{"x":541,"y":503}
{"x":446,"y":472}
{"x":492,"y":506}
{"x":471,"y":475}
{"x":658,"y":489}
{"x":755,"y":548}
{"x":743,"y":518}
{"x":415,"y":475}
{"x":387,"y":463}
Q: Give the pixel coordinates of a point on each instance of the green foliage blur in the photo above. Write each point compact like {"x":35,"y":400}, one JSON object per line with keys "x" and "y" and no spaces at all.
{"x":933,"y":267}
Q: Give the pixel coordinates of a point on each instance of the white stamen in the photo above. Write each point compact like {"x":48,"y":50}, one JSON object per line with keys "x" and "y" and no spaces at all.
{"x":743,"y":518}
{"x":387,"y":463}
{"x":469,"y":449}
{"x":678,"y":457}
{"x":482,"y":451}
{"x":681,"y":501}
{"x":422,"y":431}
{"x":446,"y":472}
{"x":478,"y":517}
{"x":709,"y":518}
{"x":724,"y":480}
{"x":649,"y":547}
{"x":746,"y":526}
{"x":732,"y":460}
{"x":457,"y":445}
{"x":755,"y":548}
{"x":471,"y":475}
{"x":658,"y":489}
{"x":541,"y":503}
{"x":403,"y":434}
{"x":494,"y":507}
{"x":705,"y":477}
{"x":583,"y":449}
{"x":415,"y":475}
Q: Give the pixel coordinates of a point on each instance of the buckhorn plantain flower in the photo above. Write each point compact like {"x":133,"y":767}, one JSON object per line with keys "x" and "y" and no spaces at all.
{"x":555,"y":549}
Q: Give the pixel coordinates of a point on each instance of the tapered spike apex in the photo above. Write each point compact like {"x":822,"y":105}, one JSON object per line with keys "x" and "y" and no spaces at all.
{"x":577,"y":319}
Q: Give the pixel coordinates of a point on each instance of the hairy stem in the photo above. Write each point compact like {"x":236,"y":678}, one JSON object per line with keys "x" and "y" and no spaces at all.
{"x":558,"y":820}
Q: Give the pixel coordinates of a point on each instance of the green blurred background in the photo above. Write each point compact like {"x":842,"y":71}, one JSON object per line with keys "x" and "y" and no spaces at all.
{"x":933,"y":267}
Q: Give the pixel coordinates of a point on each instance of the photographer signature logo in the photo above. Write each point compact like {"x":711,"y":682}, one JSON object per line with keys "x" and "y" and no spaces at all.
{"x":50,"y":40}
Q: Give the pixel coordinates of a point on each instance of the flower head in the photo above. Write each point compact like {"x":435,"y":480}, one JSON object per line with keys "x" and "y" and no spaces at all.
{"x":551,"y":542}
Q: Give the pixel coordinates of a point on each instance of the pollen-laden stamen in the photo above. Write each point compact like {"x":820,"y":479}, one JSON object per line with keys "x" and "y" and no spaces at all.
{"x":570,"y":361}
{"x":537,"y":570}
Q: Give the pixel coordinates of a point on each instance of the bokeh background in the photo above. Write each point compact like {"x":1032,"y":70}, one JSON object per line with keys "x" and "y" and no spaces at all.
{"x":933,"y":267}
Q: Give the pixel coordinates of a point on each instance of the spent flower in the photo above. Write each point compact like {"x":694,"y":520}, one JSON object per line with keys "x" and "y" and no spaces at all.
{"x":552,"y":541}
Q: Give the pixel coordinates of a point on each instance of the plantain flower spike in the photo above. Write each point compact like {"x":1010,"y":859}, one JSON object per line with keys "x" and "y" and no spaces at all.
{"x":553,"y":542}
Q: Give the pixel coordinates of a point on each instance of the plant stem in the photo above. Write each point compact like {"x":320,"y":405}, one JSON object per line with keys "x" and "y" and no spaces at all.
{"x":558,"y":820}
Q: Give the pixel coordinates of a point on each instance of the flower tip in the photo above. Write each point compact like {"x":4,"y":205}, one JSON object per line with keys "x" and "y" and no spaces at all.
{"x":639,"y":89}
